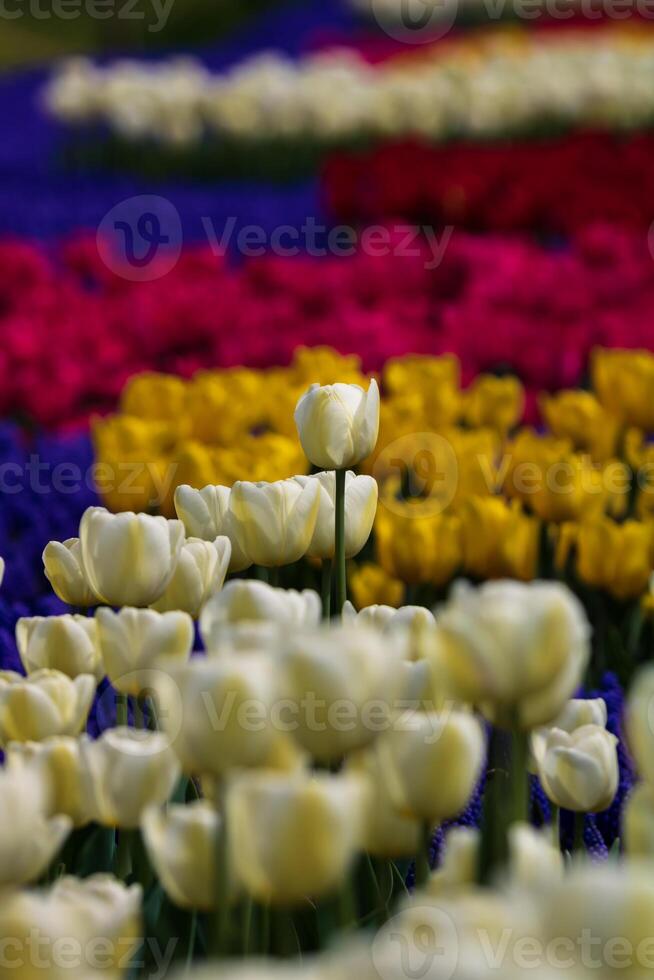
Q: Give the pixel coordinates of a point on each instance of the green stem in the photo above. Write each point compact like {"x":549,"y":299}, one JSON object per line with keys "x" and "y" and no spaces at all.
{"x":423,"y":869}
{"x":493,"y":851}
{"x":121,"y":710}
{"x":556,"y":826}
{"x":273,"y":576}
{"x":262,"y":573}
{"x":519,"y":779}
{"x":191,"y":940}
{"x":265,"y":930}
{"x":326,"y":587}
{"x":248,"y":910}
{"x":347,"y":906}
{"x":579,"y":846}
{"x":139,"y":713}
{"x":339,"y":541}
{"x":221,"y":924}
{"x":123,"y":855}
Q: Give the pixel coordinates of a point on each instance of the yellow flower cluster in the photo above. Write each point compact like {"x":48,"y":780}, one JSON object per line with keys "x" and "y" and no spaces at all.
{"x":464,"y":489}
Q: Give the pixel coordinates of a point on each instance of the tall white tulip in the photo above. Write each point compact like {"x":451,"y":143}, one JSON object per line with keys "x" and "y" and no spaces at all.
{"x":29,"y":840}
{"x":360,"y":507}
{"x":181,"y":844}
{"x":66,"y":643}
{"x":338,"y":424}
{"x":45,"y":703}
{"x":132,"y":640}
{"x":579,"y":772}
{"x":129,"y":559}
{"x":129,"y":771}
{"x":200,"y":573}
{"x":518,"y":651}
{"x":206,"y":514}
{"x":293,"y":837}
{"x":62,"y":563}
{"x":274,"y":522}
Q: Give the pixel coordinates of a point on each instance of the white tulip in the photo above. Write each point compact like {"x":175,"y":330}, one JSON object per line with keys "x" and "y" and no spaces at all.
{"x":389,"y":618}
{"x":62,"y":562}
{"x":129,"y":771}
{"x":579,"y":771}
{"x":60,"y":762}
{"x":640,"y":723}
{"x":274,"y":522}
{"x":576,"y":714}
{"x":181,"y":844}
{"x":638,"y":822}
{"x":30,"y":840}
{"x":360,"y":507}
{"x":129,"y":559}
{"x":110,"y":910}
{"x":132,"y":641}
{"x":45,"y":703}
{"x":66,"y":643}
{"x":338,"y":424}
{"x":200,"y":573}
{"x":518,"y":651}
{"x":251,"y":604}
{"x":386,"y":832}
{"x":205,"y":514}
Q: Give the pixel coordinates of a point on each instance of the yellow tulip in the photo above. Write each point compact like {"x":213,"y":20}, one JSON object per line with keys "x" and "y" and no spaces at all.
{"x":293,"y":837}
{"x":200,"y":574}
{"x":497,"y":403}
{"x":416,"y":544}
{"x":371,"y":585}
{"x":431,"y":763}
{"x":132,"y":640}
{"x":338,"y":424}
{"x":161,"y":397}
{"x":181,"y":844}
{"x":578,"y":416}
{"x":624,"y":382}
{"x":498,"y":539}
{"x":45,"y":703}
{"x":326,"y":366}
{"x":437,"y":379}
{"x":63,"y":569}
{"x":614,"y":557}
{"x":518,"y":651}
{"x":65,"y":643}
{"x":129,"y":770}
{"x":129,"y":559}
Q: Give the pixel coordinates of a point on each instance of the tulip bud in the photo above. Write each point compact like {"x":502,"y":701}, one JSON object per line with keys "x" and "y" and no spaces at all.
{"x":200,"y":573}
{"x":65,"y":643}
{"x":132,"y":640}
{"x":43,"y":704}
{"x":250,"y":604}
{"x":62,"y":562}
{"x":638,"y":822}
{"x":579,"y":772}
{"x":360,"y":509}
{"x":640,"y":723}
{"x":576,"y":714}
{"x":129,"y":559}
{"x":181,"y":844}
{"x":293,"y":837}
{"x":516,"y":650}
{"x":274,"y":522}
{"x":416,"y":747}
{"x":338,"y":424}
{"x":217,"y":711}
{"x":205,"y":514}
{"x":29,"y":841}
{"x":61,"y":763}
{"x":129,"y":770}
{"x":345,"y":683}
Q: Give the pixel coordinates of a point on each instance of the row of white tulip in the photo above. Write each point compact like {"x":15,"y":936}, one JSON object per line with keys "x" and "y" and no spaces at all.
{"x":587,"y":78}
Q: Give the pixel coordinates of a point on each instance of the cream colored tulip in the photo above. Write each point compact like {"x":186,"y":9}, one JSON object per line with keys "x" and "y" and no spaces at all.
{"x":111,"y":911}
{"x":217,"y":711}
{"x":518,"y":651}
{"x":200,"y":573}
{"x":129,"y":559}
{"x":181,"y":844}
{"x":65,"y":643}
{"x":432,"y":762}
{"x":62,"y":562}
{"x":338,"y":424}
{"x":43,"y":704}
{"x":576,"y":714}
{"x":206,"y":514}
{"x":345,"y":683}
{"x":360,"y":508}
{"x":640,"y":723}
{"x":132,"y":641}
{"x":274,"y":522}
{"x":61,"y":763}
{"x":638,"y":822}
{"x":129,"y":771}
{"x":246,"y":605}
{"x":293,"y":837}
{"x":386,"y":832}
{"x":579,"y":772}
{"x":30,"y":840}
{"x":387,"y":618}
